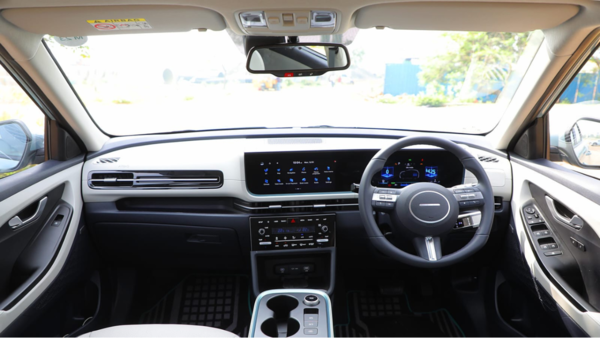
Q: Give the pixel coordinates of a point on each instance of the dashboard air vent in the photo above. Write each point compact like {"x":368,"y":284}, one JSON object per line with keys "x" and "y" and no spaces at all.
{"x":497,"y":202}
{"x":198,"y":179}
{"x":296,"y":206}
{"x":111,"y":179}
{"x":488,"y":159}
{"x":108,"y":160}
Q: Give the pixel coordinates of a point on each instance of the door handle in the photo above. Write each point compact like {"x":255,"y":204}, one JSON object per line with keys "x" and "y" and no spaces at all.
{"x":16,"y":222}
{"x":575,"y":222}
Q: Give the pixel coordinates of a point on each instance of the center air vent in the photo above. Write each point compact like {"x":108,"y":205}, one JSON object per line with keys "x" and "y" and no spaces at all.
{"x":156,"y":179}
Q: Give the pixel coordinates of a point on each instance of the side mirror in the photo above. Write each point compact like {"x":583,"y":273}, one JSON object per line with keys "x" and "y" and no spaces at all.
{"x":15,"y":144}
{"x":580,"y":145}
{"x":298,"y":59}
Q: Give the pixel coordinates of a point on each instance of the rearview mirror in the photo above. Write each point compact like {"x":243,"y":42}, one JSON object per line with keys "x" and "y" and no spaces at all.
{"x":300,"y":59}
{"x":15,"y":141}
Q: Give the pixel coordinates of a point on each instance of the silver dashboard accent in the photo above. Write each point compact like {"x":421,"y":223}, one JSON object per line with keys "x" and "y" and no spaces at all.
{"x":296,"y":206}
{"x":429,"y":205}
{"x":16,"y":222}
{"x":430,"y":245}
{"x":384,"y":197}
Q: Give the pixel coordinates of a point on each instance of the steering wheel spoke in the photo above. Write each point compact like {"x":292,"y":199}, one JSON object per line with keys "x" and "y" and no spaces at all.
{"x":384,"y":199}
{"x":429,"y":248}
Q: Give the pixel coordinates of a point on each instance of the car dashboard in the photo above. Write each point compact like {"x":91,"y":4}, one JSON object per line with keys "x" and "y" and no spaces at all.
{"x":277,"y":205}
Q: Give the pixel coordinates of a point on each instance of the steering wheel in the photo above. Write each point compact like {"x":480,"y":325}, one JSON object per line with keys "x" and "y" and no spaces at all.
{"x":425,"y":212}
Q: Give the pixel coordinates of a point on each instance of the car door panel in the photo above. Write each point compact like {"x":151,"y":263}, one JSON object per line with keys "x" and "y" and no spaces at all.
{"x":583,"y":245}
{"x":561,"y":275}
{"x":32,"y":256}
{"x":13,"y":242}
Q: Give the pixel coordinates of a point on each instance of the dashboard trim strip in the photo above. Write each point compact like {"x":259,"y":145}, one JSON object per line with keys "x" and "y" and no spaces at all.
{"x":143,"y":140}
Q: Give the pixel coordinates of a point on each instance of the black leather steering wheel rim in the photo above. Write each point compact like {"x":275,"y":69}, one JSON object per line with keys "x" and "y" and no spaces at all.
{"x":470,"y":163}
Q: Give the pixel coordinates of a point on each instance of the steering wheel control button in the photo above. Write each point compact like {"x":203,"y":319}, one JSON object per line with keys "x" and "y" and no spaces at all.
{"x":552,"y":253}
{"x":311,"y":300}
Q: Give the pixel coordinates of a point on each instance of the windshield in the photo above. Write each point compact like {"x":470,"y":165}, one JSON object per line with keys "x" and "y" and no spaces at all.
{"x":413,"y":80}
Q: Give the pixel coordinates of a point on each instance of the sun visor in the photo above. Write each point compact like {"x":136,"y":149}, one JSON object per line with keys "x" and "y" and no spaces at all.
{"x":101,"y":20}
{"x":461,"y":16}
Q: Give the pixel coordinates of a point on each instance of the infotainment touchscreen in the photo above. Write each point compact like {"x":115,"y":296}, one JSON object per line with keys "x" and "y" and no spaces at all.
{"x":272,"y":173}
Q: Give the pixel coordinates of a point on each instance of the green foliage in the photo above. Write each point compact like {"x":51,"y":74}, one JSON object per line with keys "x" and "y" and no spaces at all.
{"x":3,"y":175}
{"x":121,"y":101}
{"x":83,"y":51}
{"x":474,"y":61}
{"x":388,"y":99}
{"x":431,"y":100}
{"x":565,"y":101}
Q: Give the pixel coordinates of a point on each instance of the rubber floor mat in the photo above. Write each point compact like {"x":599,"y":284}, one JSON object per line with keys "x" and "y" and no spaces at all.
{"x":371,"y":314}
{"x":215,"y":301}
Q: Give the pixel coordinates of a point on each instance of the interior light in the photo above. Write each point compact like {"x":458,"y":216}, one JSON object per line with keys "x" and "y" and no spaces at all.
{"x":253,"y":19}
{"x":322,"y":19}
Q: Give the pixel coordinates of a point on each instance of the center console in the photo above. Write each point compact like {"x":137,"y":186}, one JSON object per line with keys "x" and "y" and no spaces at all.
{"x":292,"y":312}
{"x":292,"y":232}
{"x":293,"y":252}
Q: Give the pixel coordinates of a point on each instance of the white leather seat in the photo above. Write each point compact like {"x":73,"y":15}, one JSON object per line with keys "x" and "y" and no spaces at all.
{"x":160,"y":330}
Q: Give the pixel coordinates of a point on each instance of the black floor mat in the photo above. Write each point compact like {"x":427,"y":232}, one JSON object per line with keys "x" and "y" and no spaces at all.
{"x":371,"y":314}
{"x":219,"y":301}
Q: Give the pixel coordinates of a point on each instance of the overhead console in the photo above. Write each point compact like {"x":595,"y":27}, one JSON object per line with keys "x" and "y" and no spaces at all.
{"x":288,"y":22}
{"x":335,"y":171}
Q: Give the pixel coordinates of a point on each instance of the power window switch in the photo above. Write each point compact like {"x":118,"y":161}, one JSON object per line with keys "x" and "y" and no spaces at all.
{"x":553,"y":253}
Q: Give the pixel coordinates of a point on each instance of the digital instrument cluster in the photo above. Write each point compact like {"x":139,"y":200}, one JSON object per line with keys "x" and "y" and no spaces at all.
{"x":411,"y":166}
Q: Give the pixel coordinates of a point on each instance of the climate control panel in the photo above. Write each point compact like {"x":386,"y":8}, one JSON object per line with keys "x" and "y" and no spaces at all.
{"x":292,"y":232}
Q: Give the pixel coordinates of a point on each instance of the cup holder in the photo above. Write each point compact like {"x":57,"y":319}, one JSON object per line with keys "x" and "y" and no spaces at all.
{"x":281,"y":325}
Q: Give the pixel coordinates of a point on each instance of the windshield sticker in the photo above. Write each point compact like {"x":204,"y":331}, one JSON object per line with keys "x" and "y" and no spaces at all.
{"x":71,"y":41}
{"x":120,"y":24}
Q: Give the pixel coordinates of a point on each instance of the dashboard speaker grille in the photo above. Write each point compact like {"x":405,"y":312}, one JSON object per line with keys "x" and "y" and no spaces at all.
{"x":199,"y":179}
{"x":488,"y":159}
{"x":108,"y":160}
